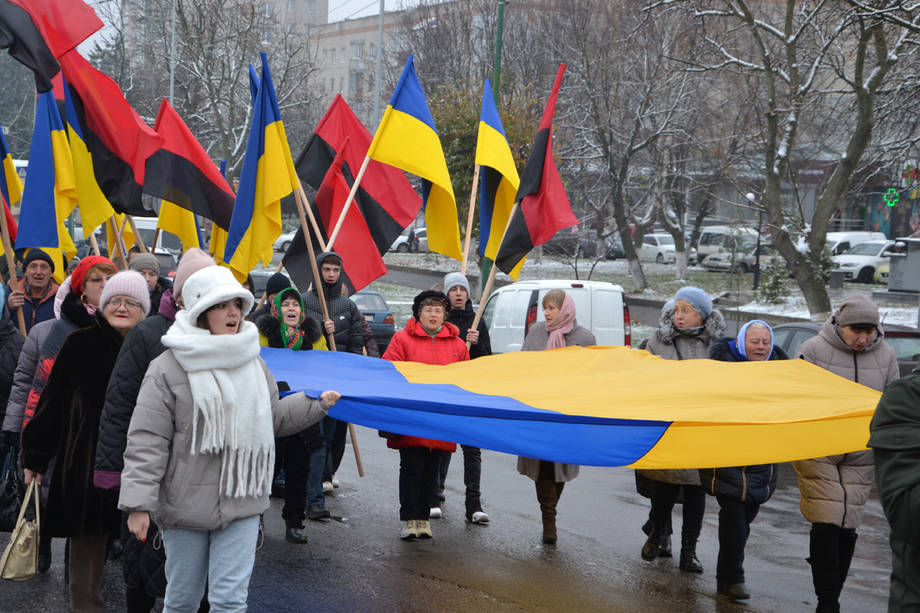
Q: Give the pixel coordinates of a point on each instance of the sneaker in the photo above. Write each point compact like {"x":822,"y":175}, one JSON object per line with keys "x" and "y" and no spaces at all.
{"x":335,"y":482}
{"x":479,"y":517}
{"x":408,"y":530}
{"x":295,"y":535}
{"x":435,"y":513}
{"x":328,"y":487}
{"x":423,"y":527}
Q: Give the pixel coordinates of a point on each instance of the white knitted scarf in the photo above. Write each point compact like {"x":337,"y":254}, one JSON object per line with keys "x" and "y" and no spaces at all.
{"x":231,"y":402}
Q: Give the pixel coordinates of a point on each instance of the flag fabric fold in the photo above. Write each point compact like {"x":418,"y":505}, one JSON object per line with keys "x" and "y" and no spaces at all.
{"x":181,"y":222}
{"x":10,"y":224}
{"x":267,"y":176}
{"x":10,"y":184}
{"x":499,"y":179}
{"x":407,"y":138}
{"x":181,"y":172}
{"x":544,"y":206}
{"x":50,"y":194}
{"x":385,"y":197}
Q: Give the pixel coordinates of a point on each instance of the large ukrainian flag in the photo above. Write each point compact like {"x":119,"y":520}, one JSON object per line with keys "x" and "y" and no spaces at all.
{"x":603,"y":406}
{"x":50,"y":194}
{"x":408,"y":139}
{"x":499,"y":179}
{"x":268,"y":175}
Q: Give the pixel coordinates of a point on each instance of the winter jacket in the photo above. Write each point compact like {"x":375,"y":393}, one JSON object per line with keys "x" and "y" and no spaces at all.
{"x":163,"y":477}
{"x":22,"y":378}
{"x":895,"y":441}
{"x":36,"y":310}
{"x":536,"y":341}
{"x":270,"y":336}
{"x":65,"y":428}
{"x":463,"y":319}
{"x":750,"y":484}
{"x":156,"y":294}
{"x":142,"y":345}
{"x":349,"y":334}
{"x":834,"y":489}
{"x":413,"y":344}
{"x":669,"y":343}
{"x":11,"y":342}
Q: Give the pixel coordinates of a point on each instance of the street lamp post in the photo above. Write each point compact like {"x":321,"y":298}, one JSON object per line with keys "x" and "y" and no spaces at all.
{"x":753,"y":199}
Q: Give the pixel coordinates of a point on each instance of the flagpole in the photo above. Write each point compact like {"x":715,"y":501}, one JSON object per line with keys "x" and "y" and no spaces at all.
{"x":487,"y":288}
{"x":469,"y":220}
{"x":304,"y":205}
{"x":156,"y":237}
{"x":10,"y":261}
{"x":94,"y":243}
{"x":137,"y":235}
{"x":118,"y":248}
{"x":351,"y":197}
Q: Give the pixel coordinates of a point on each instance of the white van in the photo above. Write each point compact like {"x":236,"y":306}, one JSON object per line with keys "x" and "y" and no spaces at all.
{"x":599,"y":306}
{"x":725,"y":239}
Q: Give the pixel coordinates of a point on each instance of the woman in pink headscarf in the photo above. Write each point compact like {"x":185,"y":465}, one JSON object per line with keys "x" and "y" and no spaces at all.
{"x":559,"y":330}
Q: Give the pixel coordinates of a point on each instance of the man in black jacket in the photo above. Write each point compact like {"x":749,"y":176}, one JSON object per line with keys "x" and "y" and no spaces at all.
{"x":345,"y":326}
{"x":457,"y":288}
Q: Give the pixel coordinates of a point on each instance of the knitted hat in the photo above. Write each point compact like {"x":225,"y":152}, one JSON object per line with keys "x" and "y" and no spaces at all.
{"x":454,"y":279}
{"x":212,"y":285}
{"x":857,"y":310}
{"x":127,"y":283}
{"x":79,"y":273}
{"x":276,"y":283}
{"x":697,"y":298}
{"x":145,"y":261}
{"x":429,"y":294}
{"x":193,"y":260}
{"x":37,"y":254}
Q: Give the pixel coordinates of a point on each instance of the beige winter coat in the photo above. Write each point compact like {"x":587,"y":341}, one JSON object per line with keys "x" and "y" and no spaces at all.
{"x":161,"y":475}
{"x":670,"y":344}
{"x":834,"y":489}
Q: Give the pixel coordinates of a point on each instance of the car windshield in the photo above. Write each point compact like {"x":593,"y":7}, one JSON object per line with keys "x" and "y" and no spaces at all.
{"x":369,"y":302}
{"x":865,"y":249}
{"x":905,"y":347}
{"x":665,"y":239}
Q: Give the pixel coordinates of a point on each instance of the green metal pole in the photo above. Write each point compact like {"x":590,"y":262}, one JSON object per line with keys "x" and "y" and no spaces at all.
{"x":496,"y":87}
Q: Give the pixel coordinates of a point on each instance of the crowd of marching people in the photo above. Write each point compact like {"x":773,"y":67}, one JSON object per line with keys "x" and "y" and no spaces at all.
{"x":164,"y":446}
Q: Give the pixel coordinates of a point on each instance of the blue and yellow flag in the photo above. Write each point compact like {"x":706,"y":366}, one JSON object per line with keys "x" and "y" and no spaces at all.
{"x":268,"y":175}
{"x":94,"y":206}
{"x":10,"y":185}
{"x":50,"y":194}
{"x":408,"y":139}
{"x":498,"y":177}
{"x":217,"y":242}
{"x":181,"y":222}
{"x":664,"y":414}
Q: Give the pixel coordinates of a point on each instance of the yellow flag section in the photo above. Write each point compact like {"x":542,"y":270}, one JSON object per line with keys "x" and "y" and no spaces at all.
{"x":407,"y":139}
{"x":267,"y":176}
{"x":179,"y":221}
{"x":714,"y":413}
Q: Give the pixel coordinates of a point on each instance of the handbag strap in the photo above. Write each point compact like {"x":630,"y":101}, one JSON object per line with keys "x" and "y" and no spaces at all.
{"x":25,"y":501}
{"x":38,"y":506}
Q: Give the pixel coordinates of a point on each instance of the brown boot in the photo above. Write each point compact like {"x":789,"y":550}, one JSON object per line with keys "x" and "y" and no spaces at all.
{"x":548,"y":496}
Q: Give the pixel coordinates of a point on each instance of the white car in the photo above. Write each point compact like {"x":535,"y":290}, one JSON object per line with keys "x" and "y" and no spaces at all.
{"x":744,"y":261}
{"x":284,"y":241}
{"x":401,"y":244}
{"x":861,"y":261}
{"x":660,"y":248}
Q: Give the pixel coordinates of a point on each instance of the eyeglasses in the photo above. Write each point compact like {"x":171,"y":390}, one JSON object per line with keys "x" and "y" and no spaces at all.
{"x":125,"y":302}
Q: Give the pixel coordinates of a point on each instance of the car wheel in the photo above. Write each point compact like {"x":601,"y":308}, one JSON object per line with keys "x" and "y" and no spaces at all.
{"x":403,"y":248}
{"x":285,"y":246}
{"x":659,"y":259}
{"x":866,"y":275}
{"x":741,"y":267}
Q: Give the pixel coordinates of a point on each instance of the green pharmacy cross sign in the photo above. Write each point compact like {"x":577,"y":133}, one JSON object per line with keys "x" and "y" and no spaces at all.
{"x":891,"y":196}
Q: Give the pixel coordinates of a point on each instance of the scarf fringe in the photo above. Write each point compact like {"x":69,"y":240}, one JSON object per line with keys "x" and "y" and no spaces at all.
{"x":245,"y":473}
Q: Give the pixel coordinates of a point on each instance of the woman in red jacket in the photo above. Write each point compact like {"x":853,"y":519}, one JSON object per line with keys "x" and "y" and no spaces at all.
{"x":429,"y":338}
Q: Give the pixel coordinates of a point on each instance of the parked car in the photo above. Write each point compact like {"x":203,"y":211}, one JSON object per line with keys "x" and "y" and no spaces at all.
{"x":724,"y":239}
{"x":259,"y":281}
{"x":838,"y":243}
{"x":166,"y":241}
{"x":572,"y":241}
{"x":600,"y":306}
{"x":882,"y":273}
{"x":377,"y":314}
{"x":284,"y":241}
{"x":861,"y":261}
{"x":401,"y":244}
{"x":903,"y":339}
{"x":742,"y":261}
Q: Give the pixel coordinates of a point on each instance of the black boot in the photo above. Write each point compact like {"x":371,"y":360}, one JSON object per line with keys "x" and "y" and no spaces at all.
{"x":44,"y":552}
{"x":688,"y":560}
{"x":294,"y":532}
{"x":652,"y":546}
{"x":548,"y":496}
{"x":824,"y":557}
{"x":847,"y":541}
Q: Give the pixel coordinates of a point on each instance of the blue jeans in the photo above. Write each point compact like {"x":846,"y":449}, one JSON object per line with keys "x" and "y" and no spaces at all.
{"x":220,"y":559}
{"x":316,"y":499}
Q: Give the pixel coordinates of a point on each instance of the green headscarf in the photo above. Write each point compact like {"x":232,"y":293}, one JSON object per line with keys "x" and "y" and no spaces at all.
{"x":292,"y":336}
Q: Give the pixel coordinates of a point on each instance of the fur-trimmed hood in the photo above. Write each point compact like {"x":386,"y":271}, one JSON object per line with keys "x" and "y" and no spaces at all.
{"x":713,"y":326}
{"x":270,"y":327}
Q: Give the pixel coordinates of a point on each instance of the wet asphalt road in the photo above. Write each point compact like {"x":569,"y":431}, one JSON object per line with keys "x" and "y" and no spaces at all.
{"x":359,"y":564}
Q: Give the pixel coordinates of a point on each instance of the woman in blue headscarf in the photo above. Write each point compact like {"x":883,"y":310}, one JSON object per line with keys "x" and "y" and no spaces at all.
{"x":740,"y":490}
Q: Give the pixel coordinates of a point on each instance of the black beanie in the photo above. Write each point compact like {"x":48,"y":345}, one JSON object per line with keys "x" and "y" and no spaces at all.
{"x":276,"y":283}
{"x":429,"y":294}
{"x":37,"y":254}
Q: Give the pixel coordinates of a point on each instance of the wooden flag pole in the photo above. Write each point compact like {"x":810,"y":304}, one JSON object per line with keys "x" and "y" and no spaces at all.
{"x":351,"y":197}
{"x":304,"y":205}
{"x":469,"y":220}
{"x":156,"y":237}
{"x":488,"y":287}
{"x":10,"y":262}
{"x":94,"y":243}
{"x":137,"y":235}
{"x":118,"y":248}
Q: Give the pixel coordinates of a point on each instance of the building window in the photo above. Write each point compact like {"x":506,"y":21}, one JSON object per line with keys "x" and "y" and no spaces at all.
{"x":291,"y":5}
{"x":268,"y":9}
{"x":266,"y":37}
{"x":306,"y":29}
{"x":372,"y":51}
{"x":311,"y":6}
{"x":342,"y":55}
{"x":341,"y":84}
{"x":357,"y":51}
{"x":325,"y":55}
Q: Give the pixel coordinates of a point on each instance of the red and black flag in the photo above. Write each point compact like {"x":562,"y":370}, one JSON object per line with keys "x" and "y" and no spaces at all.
{"x":544,"y":206}
{"x":182,"y":173}
{"x":385,"y":197}
{"x":116,"y":137}
{"x":361,"y":260}
{"x":38,"y":31}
